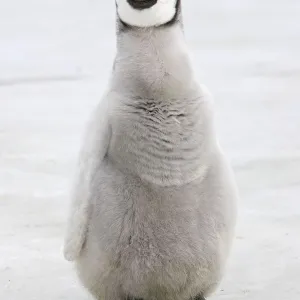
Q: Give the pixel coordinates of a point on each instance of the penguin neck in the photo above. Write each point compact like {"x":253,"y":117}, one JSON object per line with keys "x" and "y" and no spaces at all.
{"x":153,"y":61}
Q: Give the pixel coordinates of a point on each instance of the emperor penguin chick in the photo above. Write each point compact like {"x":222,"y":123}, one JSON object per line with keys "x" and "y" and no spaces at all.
{"x":153,"y":208}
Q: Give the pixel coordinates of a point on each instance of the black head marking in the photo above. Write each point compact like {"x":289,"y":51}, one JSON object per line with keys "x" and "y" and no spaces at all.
{"x":142,"y":4}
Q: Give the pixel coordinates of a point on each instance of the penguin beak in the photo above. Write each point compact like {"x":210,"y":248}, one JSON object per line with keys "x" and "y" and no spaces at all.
{"x":141,"y":4}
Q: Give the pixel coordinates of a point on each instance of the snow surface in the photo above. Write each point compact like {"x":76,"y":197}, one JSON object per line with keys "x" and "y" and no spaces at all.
{"x":55,"y":58}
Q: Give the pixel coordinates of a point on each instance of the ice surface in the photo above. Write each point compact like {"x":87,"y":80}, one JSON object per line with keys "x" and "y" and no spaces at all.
{"x":55,"y":58}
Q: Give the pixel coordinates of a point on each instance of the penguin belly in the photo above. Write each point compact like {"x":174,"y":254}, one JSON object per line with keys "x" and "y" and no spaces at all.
{"x":148,"y":241}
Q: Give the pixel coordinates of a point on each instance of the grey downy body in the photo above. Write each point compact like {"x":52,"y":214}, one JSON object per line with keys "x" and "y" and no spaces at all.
{"x":154,"y":203}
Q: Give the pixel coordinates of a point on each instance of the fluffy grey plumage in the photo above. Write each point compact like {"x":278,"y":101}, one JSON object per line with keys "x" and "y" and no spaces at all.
{"x":154,"y":204}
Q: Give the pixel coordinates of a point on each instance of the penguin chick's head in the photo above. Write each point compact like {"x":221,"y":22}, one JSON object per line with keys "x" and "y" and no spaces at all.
{"x":147,"y":13}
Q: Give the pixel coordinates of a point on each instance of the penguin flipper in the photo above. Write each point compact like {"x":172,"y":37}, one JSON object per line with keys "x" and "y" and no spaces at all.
{"x":96,"y":142}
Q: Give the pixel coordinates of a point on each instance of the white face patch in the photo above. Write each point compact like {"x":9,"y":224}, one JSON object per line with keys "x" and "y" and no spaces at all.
{"x":160,"y":13}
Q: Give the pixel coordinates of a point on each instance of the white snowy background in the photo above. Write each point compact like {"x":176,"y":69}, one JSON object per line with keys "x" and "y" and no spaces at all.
{"x":55,"y":59}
